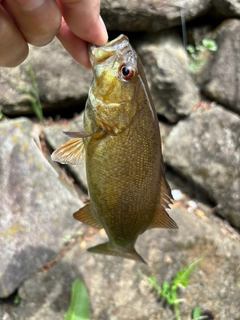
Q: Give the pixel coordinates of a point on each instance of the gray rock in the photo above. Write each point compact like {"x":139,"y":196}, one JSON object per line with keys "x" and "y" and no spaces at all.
{"x":166,"y":65}
{"x":36,"y":207}
{"x":61,"y":81}
{"x":206,"y":149}
{"x":147,"y":15}
{"x":55,"y":139}
{"x":227,"y":8}
{"x":220,"y":76}
{"x":116,"y":289}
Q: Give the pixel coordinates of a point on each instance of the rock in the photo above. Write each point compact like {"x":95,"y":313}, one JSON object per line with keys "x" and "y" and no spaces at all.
{"x":36,"y":207}
{"x":227,"y":8}
{"x":117,"y":291}
{"x":55,"y":139}
{"x":205,"y":149}
{"x":165,"y":62}
{"x":147,"y":15}
{"x":61,"y":81}
{"x":219,"y":77}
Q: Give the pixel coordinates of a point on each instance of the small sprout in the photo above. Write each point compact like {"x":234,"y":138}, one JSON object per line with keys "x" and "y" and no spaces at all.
{"x":66,"y":239}
{"x":210,"y":44}
{"x":197,"y":314}
{"x":16,"y":299}
{"x":196,"y":59}
{"x":190,"y":48}
{"x":200,"y":48}
{"x":79,"y":234}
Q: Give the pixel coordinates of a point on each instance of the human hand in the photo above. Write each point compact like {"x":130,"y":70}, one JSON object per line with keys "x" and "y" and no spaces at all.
{"x":37,"y":22}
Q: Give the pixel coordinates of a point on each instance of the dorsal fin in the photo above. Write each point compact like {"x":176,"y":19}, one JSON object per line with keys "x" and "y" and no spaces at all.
{"x":85,"y":215}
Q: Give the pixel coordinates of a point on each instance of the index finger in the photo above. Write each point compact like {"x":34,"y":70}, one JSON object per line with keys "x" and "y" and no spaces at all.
{"x":82,"y":17}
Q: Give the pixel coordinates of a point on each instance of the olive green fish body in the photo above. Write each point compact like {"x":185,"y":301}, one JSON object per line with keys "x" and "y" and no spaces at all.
{"x":125,"y":170}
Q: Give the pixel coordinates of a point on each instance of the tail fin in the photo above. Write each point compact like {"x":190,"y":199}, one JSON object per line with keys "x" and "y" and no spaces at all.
{"x":106,"y":248}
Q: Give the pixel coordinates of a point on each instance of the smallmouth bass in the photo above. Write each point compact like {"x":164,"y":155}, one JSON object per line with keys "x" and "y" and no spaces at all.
{"x":121,"y":145}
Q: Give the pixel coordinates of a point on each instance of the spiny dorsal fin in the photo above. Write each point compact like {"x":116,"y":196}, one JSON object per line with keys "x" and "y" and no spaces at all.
{"x":71,"y":152}
{"x":85,"y":215}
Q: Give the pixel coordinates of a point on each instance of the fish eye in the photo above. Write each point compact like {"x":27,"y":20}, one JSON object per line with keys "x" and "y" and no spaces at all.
{"x":126,"y":72}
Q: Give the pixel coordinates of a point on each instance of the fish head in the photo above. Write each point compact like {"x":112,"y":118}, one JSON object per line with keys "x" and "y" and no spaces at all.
{"x":115,"y":86}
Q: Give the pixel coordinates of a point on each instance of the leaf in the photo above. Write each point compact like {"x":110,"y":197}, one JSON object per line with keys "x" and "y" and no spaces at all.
{"x":196,"y":313}
{"x":165,"y":287}
{"x":210,"y":44}
{"x":183,"y":276}
{"x":79,"y":306}
{"x":190,"y":48}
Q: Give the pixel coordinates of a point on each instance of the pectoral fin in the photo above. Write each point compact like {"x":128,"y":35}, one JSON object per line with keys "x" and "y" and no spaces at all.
{"x":85,"y":215}
{"x":71,"y":152}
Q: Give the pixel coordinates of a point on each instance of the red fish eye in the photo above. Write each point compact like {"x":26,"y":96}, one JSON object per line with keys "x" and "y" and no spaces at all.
{"x":126,"y":72}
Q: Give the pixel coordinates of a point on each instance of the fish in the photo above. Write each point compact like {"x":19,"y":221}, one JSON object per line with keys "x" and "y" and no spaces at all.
{"x":121,"y":147}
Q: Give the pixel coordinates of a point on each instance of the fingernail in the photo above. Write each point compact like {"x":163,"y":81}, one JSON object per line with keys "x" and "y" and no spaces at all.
{"x":104,"y":29}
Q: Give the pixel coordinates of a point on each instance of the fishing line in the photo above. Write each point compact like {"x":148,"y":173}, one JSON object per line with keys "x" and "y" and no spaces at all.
{"x":184,"y":33}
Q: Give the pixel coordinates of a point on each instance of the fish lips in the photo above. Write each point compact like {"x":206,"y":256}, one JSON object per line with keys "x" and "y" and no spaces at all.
{"x":98,"y":55}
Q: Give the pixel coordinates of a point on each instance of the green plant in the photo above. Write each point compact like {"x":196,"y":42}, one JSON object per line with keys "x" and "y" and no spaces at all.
{"x":196,"y":58}
{"x":33,"y":95}
{"x":197,"y":314}
{"x":16,"y":299}
{"x":169,"y":291}
{"x":1,"y":114}
{"x":66,"y":239}
{"x":79,"y":306}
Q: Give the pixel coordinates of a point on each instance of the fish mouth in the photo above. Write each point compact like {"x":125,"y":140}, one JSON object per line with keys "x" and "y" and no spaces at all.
{"x":100,"y":54}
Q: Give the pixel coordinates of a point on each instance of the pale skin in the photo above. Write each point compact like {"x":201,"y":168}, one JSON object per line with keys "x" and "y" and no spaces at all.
{"x":37,"y":22}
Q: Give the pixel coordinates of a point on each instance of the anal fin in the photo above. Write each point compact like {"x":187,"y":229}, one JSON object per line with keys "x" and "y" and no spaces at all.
{"x":85,"y":215}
